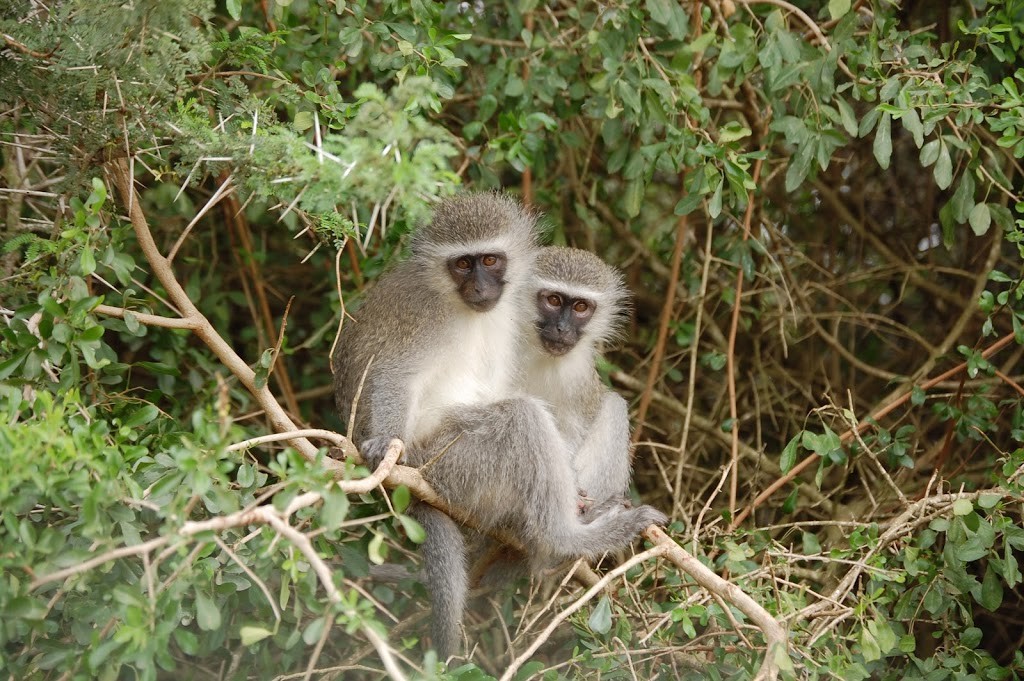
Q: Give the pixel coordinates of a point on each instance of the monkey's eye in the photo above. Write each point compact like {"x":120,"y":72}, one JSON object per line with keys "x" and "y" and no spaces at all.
{"x":554,"y":300}
{"x":580,"y":306}
{"x":464,"y":263}
{"x":489,"y":260}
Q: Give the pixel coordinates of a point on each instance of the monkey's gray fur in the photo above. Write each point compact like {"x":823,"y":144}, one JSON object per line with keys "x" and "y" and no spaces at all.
{"x":507,"y":465}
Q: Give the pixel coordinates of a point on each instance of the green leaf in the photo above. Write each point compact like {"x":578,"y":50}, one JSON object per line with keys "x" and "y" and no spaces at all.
{"x":908,"y":643}
{"x":912,"y":123}
{"x":688,"y":203}
{"x":413,"y":529}
{"x":980,"y":219}
{"x":788,"y":458}
{"x":207,"y":612}
{"x":971,"y":637}
{"x":335,"y":508}
{"x":251,"y":634}
{"x":848,"y":117}
{"x":23,"y":607}
{"x":830,"y":440}
{"x":934,"y":601}
{"x":889,"y":89}
{"x":1001,"y":215}
{"x":715,"y":204}
{"x":838,"y":8}
{"x":131,"y":321}
{"x":312,"y":633}
{"x":963,"y":198}
{"x":789,"y":503}
{"x":867,"y":123}
{"x":630,"y":97}
{"x":884,"y":635}
{"x":376,"y":550}
{"x":669,"y":14}
{"x":141,"y":416}
{"x":530,"y":670}
{"x":486,"y":106}
{"x":8,"y":367}
{"x":799,"y":166}
{"x":869,"y":646}
{"x":93,"y":333}
{"x":943,"y":172}
{"x":929,"y":153}
{"x":988,"y":501}
{"x":234,"y":8}
{"x":991,"y":595}
{"x":400,"y":498}
{"x":811,"y":544}
{"x":962,"y":507}
{"x":882,"y":147}
{"x":601,"y":618}
{"x":732,"y":132}
{"x":633,"y":198}
{"x":87,"y":262}
{"x":303,"y":121}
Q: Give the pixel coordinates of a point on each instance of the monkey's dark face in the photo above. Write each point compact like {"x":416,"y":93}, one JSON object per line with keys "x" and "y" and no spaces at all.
{"x":479,"y":278}
{"x":562,"y":320}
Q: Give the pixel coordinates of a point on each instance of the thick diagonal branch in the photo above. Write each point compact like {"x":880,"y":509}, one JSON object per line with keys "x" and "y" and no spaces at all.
{"x":197,"y":321}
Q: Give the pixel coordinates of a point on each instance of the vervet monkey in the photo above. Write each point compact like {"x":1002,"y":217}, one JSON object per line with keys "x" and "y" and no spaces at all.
{"x":443,"y":332}
{"x":438,"y":331}
{"x":580,"y":305}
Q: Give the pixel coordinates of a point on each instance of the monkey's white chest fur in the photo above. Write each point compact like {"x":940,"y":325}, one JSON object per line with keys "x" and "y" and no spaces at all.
{"x":477,"y":367}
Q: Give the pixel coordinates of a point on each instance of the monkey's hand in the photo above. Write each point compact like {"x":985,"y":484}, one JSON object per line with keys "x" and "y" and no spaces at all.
{"x":374,"y":449}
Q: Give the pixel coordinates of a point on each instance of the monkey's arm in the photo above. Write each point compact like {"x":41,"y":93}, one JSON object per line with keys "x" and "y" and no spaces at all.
{"x":383,"y":414}
{"x":602,"y":461}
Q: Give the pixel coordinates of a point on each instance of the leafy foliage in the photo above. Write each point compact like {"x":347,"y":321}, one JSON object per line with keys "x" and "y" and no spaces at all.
{"x":844,"y":177}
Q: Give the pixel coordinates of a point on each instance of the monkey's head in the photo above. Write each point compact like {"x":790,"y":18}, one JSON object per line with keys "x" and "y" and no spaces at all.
{"x":581,"y":301}
{"x":477,"y":246}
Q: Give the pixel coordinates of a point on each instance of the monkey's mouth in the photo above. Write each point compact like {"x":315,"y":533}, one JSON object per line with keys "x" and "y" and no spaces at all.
{"x":556,"y":347}
{"x":482,"y":305}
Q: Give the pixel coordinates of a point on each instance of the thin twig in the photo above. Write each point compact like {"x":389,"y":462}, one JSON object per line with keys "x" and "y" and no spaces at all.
{"x":667,"y":311}
{"x":730,"y":355}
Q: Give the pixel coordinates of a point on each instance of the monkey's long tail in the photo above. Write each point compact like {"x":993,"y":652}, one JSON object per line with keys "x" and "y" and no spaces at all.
{"x":446,"y":575}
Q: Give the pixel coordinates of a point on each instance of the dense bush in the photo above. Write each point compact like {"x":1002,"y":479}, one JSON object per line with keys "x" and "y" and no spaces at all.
{"x":817,"y":205}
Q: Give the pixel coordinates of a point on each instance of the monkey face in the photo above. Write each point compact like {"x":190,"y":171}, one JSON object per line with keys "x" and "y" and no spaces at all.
{"x":479,"y":278}
{"x":562,"y":319}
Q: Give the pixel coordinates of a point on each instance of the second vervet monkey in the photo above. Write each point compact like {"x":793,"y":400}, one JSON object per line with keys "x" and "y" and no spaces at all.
{"x":580,"y":304}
